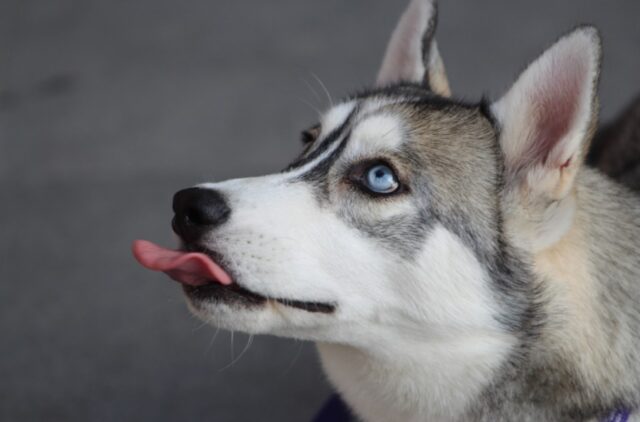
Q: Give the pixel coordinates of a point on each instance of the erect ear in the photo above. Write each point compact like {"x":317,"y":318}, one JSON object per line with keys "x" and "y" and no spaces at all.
{"x":412,"y":54}
{"x":548,"y":116}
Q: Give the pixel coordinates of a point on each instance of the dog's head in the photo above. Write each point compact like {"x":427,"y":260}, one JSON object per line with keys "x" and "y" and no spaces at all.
{"x":403,"y":212}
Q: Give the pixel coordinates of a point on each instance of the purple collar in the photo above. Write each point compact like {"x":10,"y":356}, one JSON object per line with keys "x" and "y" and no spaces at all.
{"x":620,"y":415}
{"x":335,"y":410}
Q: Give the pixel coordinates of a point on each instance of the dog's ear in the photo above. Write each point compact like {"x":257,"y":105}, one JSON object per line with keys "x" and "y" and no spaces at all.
{"x":547,"y":118}
{"x":412,"y":54}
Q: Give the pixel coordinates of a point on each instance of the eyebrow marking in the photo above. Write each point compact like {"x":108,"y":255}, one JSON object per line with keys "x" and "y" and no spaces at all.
{"x":323,"y":166}
{"x":324,"y":150}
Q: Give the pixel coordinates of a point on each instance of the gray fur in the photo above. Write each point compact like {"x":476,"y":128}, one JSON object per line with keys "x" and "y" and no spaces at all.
{"x":543,"y":384}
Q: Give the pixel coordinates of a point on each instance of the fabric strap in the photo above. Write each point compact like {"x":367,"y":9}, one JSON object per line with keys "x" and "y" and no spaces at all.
{"x":620,"y":415}
{"x":335,"y":410}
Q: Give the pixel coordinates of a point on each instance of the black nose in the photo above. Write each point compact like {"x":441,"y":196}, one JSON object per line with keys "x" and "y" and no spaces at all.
{"x":197,"y":211}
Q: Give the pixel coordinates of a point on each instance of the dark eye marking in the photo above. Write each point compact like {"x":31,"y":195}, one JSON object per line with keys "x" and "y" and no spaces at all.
{"x":310,"y":135}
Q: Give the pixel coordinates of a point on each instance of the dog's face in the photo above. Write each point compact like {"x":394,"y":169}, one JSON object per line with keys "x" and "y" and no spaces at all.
{"x":373,"y":225}
{"x":394,"y":219}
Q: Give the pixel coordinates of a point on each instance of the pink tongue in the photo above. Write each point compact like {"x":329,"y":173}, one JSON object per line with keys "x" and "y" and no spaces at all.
{"x":192,"y":268}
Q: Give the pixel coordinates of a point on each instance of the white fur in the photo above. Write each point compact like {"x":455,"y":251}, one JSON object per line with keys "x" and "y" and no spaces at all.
{"x":335,"y":117}
{"x":375,"y":133}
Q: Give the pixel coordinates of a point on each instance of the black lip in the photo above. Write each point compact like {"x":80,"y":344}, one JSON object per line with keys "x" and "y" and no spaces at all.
{"x":325,"y":308}
{"x":217,"y":292}
{"x":236,"y":294}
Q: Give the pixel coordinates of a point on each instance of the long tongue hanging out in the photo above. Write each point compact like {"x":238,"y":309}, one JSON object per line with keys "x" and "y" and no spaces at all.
{"x":192,"y":268}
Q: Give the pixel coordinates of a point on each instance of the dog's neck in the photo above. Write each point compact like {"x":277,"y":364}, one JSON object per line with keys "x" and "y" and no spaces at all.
{"x":415,"y":382}
{"x":589,"y":288}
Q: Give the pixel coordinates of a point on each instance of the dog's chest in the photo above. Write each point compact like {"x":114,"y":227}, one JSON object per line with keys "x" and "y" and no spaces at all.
{"x":407,"y":392}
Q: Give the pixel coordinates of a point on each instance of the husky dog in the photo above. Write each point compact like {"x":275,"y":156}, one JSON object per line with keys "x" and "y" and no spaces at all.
{"x":453,"y":261}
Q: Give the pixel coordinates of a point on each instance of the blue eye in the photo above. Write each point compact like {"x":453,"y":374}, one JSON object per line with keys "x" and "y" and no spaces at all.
{"x":381,"y":179}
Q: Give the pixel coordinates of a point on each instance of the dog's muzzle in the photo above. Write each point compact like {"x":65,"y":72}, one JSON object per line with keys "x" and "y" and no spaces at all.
{"x":202,"y":271}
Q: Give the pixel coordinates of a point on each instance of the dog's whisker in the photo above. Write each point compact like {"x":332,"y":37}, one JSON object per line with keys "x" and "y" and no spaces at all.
{"x":314,"y":108}
{"x":213,"y":339}
{"x":311,"y":88}
{"x":244,"y":350}
{"x":199,"y":326}
{"x":324,"y":88}
{"x":295,"y":357}
{"x":232,"y":352}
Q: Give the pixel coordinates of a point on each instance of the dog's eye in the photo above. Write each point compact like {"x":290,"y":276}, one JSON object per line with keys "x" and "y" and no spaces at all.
{"x":310,"y":135}
{"x":380,"y":178}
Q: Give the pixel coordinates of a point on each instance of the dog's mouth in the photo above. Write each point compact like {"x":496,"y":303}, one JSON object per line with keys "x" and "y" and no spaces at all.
{"x":203,"y":277}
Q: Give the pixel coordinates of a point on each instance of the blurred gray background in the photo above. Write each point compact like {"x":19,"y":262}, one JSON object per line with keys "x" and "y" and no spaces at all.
{"x":108,"y":107}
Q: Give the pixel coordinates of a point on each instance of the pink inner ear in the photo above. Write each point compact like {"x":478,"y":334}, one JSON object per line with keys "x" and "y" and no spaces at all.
{"x":556,"y":106}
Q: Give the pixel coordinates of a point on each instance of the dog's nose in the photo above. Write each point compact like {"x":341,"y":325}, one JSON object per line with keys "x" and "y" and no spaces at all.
{"x":198,"y":210}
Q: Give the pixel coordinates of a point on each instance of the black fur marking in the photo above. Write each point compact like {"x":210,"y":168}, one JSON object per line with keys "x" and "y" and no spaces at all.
{"x":318,"y":173}
{"x":409,"y":92}
{"x":324,"y":308}
{"x":329,"y":140}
